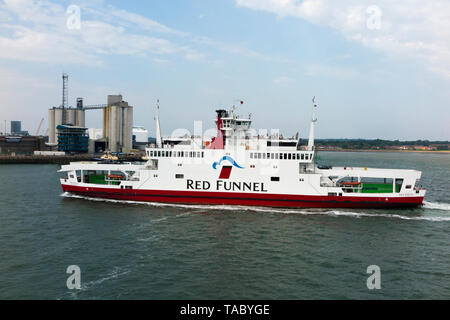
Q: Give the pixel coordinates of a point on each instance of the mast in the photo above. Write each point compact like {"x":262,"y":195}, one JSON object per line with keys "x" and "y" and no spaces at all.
{"x":311,"y":129}
{"x":158,"y":127}
{"x":65,"y":97}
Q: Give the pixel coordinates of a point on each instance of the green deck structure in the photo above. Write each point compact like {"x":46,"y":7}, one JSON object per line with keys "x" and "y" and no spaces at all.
{"x":379,"y":188}
{"x":97,"y":179}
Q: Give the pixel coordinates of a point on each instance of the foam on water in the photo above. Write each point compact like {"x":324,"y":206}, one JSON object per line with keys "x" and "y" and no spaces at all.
{"x":337,"y":213}
{"x":116,"y":272}
{"x":436,"y":205}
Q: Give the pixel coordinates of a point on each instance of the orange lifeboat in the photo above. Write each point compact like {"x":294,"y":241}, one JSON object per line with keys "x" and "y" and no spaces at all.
{"x":113,"y":176}
{"x":351,"y":183}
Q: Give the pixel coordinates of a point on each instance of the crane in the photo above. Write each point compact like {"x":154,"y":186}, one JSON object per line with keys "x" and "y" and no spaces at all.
{"x":39,"y":127}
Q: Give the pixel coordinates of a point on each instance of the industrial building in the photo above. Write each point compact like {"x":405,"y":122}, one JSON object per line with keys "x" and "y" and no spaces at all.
{"x":60,"y":116}
{"x":117,"y":122}
{"x":117,"y":135}
{"x":118,"y":125}
{"x":64,"y":115}
{"x":72,"y":139}
{"x":24,"y":145}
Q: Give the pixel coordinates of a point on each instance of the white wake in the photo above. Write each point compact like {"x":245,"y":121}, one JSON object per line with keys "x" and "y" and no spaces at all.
{"x":436,"y":205}
{"x":334,"y":212}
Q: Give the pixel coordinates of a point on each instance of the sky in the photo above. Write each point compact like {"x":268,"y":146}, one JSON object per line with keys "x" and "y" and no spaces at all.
{"x":378,"y":69}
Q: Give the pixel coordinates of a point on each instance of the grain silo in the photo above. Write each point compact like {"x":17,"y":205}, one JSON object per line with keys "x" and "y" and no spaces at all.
{"x":51,"y":126}
{"x":118,"y":124}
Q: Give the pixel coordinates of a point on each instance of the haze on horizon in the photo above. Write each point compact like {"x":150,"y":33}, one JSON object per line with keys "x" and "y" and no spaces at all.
{"x":377,"y":71}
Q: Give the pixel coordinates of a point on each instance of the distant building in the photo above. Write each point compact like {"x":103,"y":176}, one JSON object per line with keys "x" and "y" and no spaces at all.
{"x":16,"y":127}
{"x":72,"y":139}
{"x":424,"y":148}
{"x":24,"y":145}
{"x":95,"y":134}
{"x":96,"y":142}
{"x":140,"y":138}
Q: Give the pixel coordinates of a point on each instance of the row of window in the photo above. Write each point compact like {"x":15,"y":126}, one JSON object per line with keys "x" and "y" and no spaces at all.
{"x":176,"y":154}
{"x":253,"y":155}
{"x":281,"y":156}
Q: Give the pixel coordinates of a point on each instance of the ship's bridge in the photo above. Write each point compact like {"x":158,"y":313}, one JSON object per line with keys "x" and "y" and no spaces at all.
{"x":235,"y":124}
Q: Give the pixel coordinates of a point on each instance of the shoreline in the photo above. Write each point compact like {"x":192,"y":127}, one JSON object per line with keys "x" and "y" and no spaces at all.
{"x":387,"y":151}
{"x":33,"y":159}
{"x":61,"y":160}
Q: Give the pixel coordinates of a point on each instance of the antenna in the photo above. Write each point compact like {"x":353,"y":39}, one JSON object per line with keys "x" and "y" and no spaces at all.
{"x":65,"y":96}
{"x":158,"y":127}
{"x":311,"y":129}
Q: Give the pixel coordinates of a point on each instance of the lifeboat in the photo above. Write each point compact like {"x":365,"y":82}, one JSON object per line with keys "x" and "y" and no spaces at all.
{"x":114,"y":176}
{"x":350,"y":183}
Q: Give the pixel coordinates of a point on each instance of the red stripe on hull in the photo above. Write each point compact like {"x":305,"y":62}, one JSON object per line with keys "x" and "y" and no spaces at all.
{"x":244,"y":199}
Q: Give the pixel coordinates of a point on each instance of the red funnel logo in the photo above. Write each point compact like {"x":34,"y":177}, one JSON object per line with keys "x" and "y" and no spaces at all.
{"x":225,"y":172}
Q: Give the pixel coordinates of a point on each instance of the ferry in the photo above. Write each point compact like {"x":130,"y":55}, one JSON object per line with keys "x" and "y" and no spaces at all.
{"x":238,"y":167}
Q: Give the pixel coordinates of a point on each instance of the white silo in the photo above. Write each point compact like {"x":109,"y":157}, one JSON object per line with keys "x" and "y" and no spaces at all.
{"x":71,"y":116}
{"x":114,"y":128}
{"x":80,"y":118}
{"x":51,"y":126}
{"x":118,"y":124}
{"x":127,"y":130}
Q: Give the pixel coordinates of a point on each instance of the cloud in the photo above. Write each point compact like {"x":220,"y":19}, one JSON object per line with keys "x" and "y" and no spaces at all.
{"x":315,"y":70}
{"x":417,"y":30}
{"x":283,"y":80}
{"x":37,"y":31}
{"x":143,"y":22}
{"x":22,"y":43}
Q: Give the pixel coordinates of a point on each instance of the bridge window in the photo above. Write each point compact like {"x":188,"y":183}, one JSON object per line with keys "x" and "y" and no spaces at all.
{"x":398,"y":184}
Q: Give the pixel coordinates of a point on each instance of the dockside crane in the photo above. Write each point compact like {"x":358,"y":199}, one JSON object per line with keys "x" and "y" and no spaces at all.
{"x":39,"y":127}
